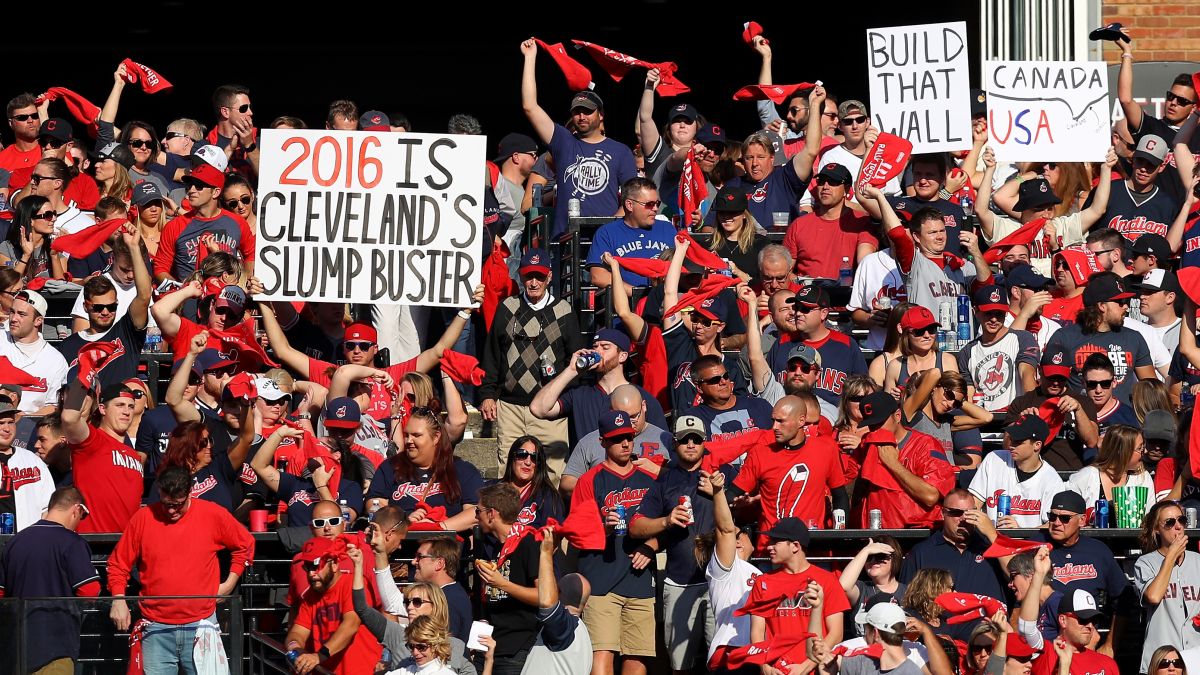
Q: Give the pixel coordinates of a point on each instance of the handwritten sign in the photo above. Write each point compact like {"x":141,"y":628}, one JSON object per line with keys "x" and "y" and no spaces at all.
{"x":370,"y":217}
{"x":1047,"y":110}
{"x":920,"y":89}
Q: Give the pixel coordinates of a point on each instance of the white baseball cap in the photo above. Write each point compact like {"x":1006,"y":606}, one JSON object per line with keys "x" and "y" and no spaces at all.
{"x":884,"y":616}
{"x":212,"y":155}
{"x":34,"y":298}
{"x":269,"y":390}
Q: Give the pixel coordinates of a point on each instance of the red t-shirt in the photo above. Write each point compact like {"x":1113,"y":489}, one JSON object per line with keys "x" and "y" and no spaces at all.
{"x":921,"y":454}
{"x":792,"y":482}
{"x":1063,"y":310}
{"x":818,"y":245}
{"x":1086,"y":662}
{"x":189,"y":329}
{"x":322,"y":614}
{"x":82,"y":189}
{"x":791,"y":613}
{"x":109,"y":474}
{"x":13,"y":159}
{"x":320,"y":372}
{"x":298,"y":577}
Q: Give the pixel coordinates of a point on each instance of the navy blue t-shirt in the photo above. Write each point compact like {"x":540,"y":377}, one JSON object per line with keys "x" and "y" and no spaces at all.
{"x":590,"y":172}
{"x":537,"y":507}
{"x":300,"y":494}
{"x":120,"y":368}
{"x":749,"y":413}
{"x":153,"y":435}
{"x":216,"y":483}
{"x":952,"y":215}
{"x":407,"y":494}
{"x":681,"y":352}
{"x":780,"y":191}
{"x":1121,"y":414}
{"x":585,"y":403}
{"x":611,"y":570}
{"x":840,"y":358}
{"x":679,"y":543}
{"x":1088,"y":565}
{"x":460,"y":610}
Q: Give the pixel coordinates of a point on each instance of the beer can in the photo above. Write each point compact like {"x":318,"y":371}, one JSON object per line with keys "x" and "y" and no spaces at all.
{"x":946,"y":315}
{"x":621,"y":528}
{"x":875,"y":519}
{"x":839,"y":519}
{"x":1102,"y":513}
{"x":1003,"y":505}
{"x":686,"y":502}
{"x":574,"y":208}
{"x":587,"y":360}
{"x":964,"y":319}
{"x":8,"y":523}
{"x":1190,"y":514}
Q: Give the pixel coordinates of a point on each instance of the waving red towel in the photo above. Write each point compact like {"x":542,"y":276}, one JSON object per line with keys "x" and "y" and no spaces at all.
{"x":776,"y":93}
{"x":497,"y":284}
{"x":461,"y":367}
{"x":651,"y":268}
{"x":693,"y":187}
{"x":874,"y":651}
{"x":768,"y":651}
{"x":94,"y":357}
{"x":718,"y":453}
{"x":617,"y":65}
{"x":10,"y":374}
{"x":700,"y":255}
{"x":80,"y":108}
{"x":709,"y":288}
{"x":578,"y":76}
{"x":1006,"y":546}
{"x":243,"y":386}
{"x":887,"y":159}
{"x":966,"y":607}
{"x":872,"y":467}
{"x":151,"y":81}
{"x":1052,"y":416}
{"x":84,"y":242}
{"x":1023,"y":236}
{"x":751,"y":30}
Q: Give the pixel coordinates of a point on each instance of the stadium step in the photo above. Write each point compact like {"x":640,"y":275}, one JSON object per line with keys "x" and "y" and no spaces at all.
{"x":481,"y":452}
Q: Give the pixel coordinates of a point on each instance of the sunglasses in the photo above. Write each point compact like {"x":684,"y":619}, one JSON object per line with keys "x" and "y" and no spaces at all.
{"x":417,"y":602}
{"x":795,"y":110}
{"x":807,"y":368}
{"x":1086,"y":622}
{"x":691,"y":438}
{"x":358,"y":346}
{"x":525,"y":454}
{"x":958,"y":402}
{"x":975,"y":649}
{"x":138,"y":395}
{"x":1170,"y":663}
{"x":206,"y":442}
{"x":193,"y":184}
{"x":953,"y":513}
{"x":176,"y":134}
{"x":333,"y":521}
{"x":194,"y":381}
{"x":139,"y":144}
{"x":98,"y":308}
{"x":1050,"y":166}
{"x":1100,"y":384}
{"x":244,"y":201}
{"x":244,"y":108}
{"x":1168,"y":96}
{"x":173,"y":506}
{"x":50,"y":142}
{"x":222,"y":371}
{"x":716,"y":379}
{"x":851,"y":121}
{"x":1063,"y":518}
{"x":822,"y":180}
{"x":285,"y":401}
{"x":85,"y":512}
{"x":878,"y":558}
{"x":46,"y":215}
{"x":228,"y":312}
{"x":922,"y":332}
{"x":417,"y":646}
{"x":24,"y":118}
{"x":1170,"y":523}
{"x":651,"y":205}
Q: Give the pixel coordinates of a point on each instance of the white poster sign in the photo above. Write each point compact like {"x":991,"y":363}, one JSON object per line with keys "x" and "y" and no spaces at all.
{"x":1047,"y":110}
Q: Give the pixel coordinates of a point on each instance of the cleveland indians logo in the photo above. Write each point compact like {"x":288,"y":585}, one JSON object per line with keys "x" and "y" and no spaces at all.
{"x":794,"y":482}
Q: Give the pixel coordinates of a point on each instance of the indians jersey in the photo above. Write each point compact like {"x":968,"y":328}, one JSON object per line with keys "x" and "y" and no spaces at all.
{"x":792,"y":482}
{"x":778,"y":596}
{"x":598,"y":492}
{"x":1136,"y":213}
{"x":179,"y":249}
{"x":997,"y":475}
{"x":840,"y":357}
{"x":993,"y":369}
{"x":877,"y":283}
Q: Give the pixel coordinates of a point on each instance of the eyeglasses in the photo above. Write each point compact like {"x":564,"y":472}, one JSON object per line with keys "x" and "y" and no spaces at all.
{"x":1170,"y":523}
{"x":806,"y":367}
{"x":953,"y":513}
{"x":1086,"y":622}
{"x":51,"y":142}
{"x":110,"y":307}
{"x":957,"y":402}
{"x":822,"y":180}
{"x":796,"y":110}
{"x":1100,"y":384}
{"x":417,"y":646}
{"x":176,"y":134}
{"x":139,"y":144}
{"x":1102,"y":252}
{"x":1170,"y":663}
{"x":194,"y":381}
{"x":84,"y":511}
{"x":830,"y":115}
{"x":1172,"y":97}
{"x":851,"y":121}
{"x":651,"y":205}
{"x":1050,"y":166}
{"x":418,"y":557}
{"x":23,"y":118}
{"x":525,"y":454}
{"x":1063,"y":518}
{"x":138,"y":395}
{"x":358,"y":345}
{"x":173,"y":506}
{"x":46,"y":215}
{"x":333,"y":521}
{"x":715,"y":379}
{"x":191,"y":183}
{"x":244,"y":201}
{"x":416,"y":602}
{"x":922,"y":332}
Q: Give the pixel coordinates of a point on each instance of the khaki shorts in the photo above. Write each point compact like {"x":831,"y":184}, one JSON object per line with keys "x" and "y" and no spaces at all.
{"x":620,"y":624}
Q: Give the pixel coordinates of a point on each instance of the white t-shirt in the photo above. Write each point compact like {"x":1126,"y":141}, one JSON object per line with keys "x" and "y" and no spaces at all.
{"x":727,"y":591}
{"x":997,"y":475}
{"x":1086,"y":482}
{"x":1049,"y":327}
{"x":840,"y":155}
{"x":73,"y":220}
{"x":1169,"y":335}
{"x":40,"y":360}
{"x":125,"y":296}
{"x":876,"y":277}
{"x":1158,"y":351}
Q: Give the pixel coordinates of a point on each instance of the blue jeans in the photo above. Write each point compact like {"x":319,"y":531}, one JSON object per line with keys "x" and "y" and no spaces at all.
{"x":167,"y":648}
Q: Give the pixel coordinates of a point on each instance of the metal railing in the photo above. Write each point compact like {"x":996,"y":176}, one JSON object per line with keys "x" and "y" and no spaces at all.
{"x":268,"y":655}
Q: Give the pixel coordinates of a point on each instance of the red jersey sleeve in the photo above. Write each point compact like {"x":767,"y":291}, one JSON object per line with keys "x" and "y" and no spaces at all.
{"x":937,"y":472}
{"x":124,"y":557}
{"x":239,"y":541}
{"x":747,"y":478}
{"x":164,"y":257}
{"x":246,"y":245}
{"x":320,"y":372}
{"x":902,"y":247}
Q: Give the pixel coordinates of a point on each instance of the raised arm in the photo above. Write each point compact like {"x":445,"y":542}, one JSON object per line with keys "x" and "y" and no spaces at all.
{"x":647,"y":133}
{"x":166,"y":310}
{"x":264,"y":459}
{"x":854,"y":568}
{"x":804,"y":160}
{"x":542,"y":124}
{"x":760,"y":370}
{"x":183,"y":410}
{"x":547,"y":584}
{"x":76,"y":406}
{"x":1099,"y":205}
{"x":973,"y":417}
{"x":139,"y":309}
{"x":339,"y":384}
{"x":109,"y":112}
{"x":1031,"y":606}
{"x":1179,"y":225}
{"x":634,"y":324}
{"x":983,"y":196}
{"x":428,"y":359}
{"x":1133,"y":111}
{"x":914,"y":402}
{"x":671,"y":283}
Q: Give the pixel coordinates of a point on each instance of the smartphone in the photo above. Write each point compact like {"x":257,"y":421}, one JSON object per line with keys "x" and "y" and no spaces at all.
{"x":383,"y":358}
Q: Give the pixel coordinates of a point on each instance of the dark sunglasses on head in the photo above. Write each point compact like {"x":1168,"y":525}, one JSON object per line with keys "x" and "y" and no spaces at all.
{"x":848,"y":121}
{"x":715,"y":379}
{"x":1170,"y":663}
{"x":1063,"y":518}
{"x":50,"y":142}
{"x":358,"y":345}
{"x":139,"y":144}
{"x":106,"y":307}
{"x":1178,"y":99}
{"x":333,"y":521}
{"x":1171,"y":522}
{"x":1101,"y":384}
{"x":525,"y":454}
{"x":244,"y":200}
{"x":24,"y":117}
{"x":922,"y":332}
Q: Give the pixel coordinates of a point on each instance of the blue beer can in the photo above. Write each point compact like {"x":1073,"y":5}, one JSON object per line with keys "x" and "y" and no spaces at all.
{"x":1004,"y":505}
{"x":1102,"y":513}
{"x":8,"y":523}
{"x":587,"y":361}
{"x":622,"y":527}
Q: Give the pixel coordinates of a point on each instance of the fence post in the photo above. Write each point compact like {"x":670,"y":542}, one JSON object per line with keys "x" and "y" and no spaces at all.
{"x":237,"y":636}
{"x":21,"y":655}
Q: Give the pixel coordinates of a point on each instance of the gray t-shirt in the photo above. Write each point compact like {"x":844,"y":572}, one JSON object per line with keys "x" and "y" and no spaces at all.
{"x":865,"y":665}
{"x":1170,"y":623}
{"x":929,"y":285}
{"x":993,"y":369}
{"x":588,"y":452}
{"x":1127,"y":350}
{"x":39,"y":262}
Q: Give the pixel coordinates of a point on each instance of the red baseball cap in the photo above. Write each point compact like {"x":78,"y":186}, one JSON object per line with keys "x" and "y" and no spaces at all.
{"x":209,"y":175}
{"x":1017,"y":647}
{"x":917,"y":317}
{"x":361,"y":331}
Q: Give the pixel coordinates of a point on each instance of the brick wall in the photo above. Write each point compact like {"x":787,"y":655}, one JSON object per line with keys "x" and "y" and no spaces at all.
{"x":1166,"y":30}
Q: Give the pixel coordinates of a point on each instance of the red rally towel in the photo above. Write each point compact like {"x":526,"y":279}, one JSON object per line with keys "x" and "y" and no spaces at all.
{"x":872,"y":467}
{"x":776,"y":93}
{"x":80,"y":108}
{"x":151,"y":81}
{"x":578,"y":76}
{"x":86,"y":241}
{"x":700,"y":255}
{"x":136,"y":634}
{"x":1052,"y":416}
{"x":10,"y":374}
{"x":518,"y":532}
{"x":584,"y":527}
{"x":693,"y":188}
{"x":709,"y":288}
{"x":1006,"y":546}
{"x":779,"y":647}
{"x":969,"y":606}
{"x":497,"y":284}
{"x":1024,"y":236}
{"x":751,"y":30}
{"x":887,"y":159}
{"x":617,"y":65}
{"x":651,"y":268}
{"x":242,"y":386}
{"x":720,"y":452}
{"x":94,"y":357}
{"x":461,"y":367}
{"x":874,"y":651}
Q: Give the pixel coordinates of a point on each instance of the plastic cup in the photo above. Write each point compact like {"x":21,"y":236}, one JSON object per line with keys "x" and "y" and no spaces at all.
{"x":258,"y":520}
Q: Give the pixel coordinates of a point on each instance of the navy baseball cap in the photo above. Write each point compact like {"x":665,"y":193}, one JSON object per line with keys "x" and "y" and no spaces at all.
{"x":1022,"y":275}
{"x":56,"y":128}
{"x":710,"y":133}
{"x":991,"y":298}
{"x":211,"y":359}
{"x":374,"y":120}
{"x":811,"y":296}
{"x":1028,"y":428}
{"x":790,"y":529}
{"x":534,"y":260}
{"x":616,"y":423}
{"x":588,"y":100}
{"x":712,"y":309}
{"x":1055,"y":361}
{"x":685,"y":110}
{"x":614,"y":336}
{"x":342,"y":413}
{"x":836,"y":173}
{"x":1069,"y":500}
{"x":146,"y":192}
{"x":877,"y":407}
